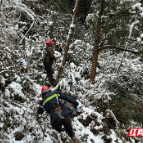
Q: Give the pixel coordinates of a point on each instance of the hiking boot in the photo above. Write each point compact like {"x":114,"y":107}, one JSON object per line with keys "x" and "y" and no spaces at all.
{"x":75,"y":140}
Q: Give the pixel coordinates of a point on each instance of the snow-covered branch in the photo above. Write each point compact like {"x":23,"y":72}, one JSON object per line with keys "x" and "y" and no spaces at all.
{"x":109,"y":112}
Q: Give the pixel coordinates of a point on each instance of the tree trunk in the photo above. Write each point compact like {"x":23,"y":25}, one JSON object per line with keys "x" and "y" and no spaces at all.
{"x":69,"y":39}
{"x":96,"y":43}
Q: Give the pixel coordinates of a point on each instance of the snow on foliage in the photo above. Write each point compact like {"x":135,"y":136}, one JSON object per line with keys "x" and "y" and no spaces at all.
{"x":23,"y":75}
{"x":87,"y":134}
{"x":17,"y":88}
{"x":140,"y":7}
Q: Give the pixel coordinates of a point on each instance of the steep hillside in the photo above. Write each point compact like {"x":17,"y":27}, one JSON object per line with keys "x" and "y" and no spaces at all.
{"x":108,"y":108}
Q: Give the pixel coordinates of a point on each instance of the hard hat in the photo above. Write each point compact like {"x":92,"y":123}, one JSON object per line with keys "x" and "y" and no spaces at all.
{"x":44,"y":88}
{"x":48,"y":42}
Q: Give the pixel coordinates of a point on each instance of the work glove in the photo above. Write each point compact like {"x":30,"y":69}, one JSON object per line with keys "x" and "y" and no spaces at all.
{"x":76,"y":108}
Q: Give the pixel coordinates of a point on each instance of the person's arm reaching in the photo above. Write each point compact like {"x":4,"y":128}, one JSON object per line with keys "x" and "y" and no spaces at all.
{"x":68,"y":98}
{"x":40,"y":110}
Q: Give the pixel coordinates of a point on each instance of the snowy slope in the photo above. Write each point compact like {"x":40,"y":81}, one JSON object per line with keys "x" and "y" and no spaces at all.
{"x":22,"y":75}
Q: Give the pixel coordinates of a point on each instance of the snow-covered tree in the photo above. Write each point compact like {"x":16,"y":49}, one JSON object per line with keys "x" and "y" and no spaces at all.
{"x":117,"y":25}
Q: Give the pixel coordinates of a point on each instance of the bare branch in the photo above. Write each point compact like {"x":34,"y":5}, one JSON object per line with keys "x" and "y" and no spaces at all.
{"x":120,"y":39}
{"x":114,"y":47}
{"x":122,"y":13}
{"x":117,"y":14}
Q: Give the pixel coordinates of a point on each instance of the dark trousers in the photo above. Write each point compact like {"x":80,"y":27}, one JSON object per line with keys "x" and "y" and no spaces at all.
{"x":48,"y":67}
{"x":67,"y":125}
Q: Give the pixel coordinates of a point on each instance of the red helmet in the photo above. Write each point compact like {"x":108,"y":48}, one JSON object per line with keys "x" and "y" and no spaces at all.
{"x":48,"y":42}
{"x":44,"y":88}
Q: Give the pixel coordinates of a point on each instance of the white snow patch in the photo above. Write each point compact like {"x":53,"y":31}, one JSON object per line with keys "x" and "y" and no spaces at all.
{"x":24,"y":63}
{"x":81,"y":131}
{"x":72,"y":65}
{"x":3,"y":80}
{"x":1,"y":125}
{"x":138,"y":39}
{"x":114,"y":137}
{"x":57,"y":54}
{"x":17,"y":88}
{"x":72,"y":25}
{"x":37,"y":89}
{"x":137,"y":5}
{"x":141,"y":35}
{"x":7,"y":93}
{"x":50,"y":23}
{"x":18,"y":79}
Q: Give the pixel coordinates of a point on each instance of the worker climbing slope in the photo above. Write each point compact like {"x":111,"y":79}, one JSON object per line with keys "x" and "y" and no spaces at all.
{"x":48,"y":60}
{"x":59,"y":114}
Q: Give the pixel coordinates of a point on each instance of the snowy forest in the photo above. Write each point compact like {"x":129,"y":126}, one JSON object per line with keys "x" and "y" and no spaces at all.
{"x":99,"y":45}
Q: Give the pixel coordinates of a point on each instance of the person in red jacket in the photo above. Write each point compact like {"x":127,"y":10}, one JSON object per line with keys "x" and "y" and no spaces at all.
{"x":59,"y":114}
{"x":48,"y":60}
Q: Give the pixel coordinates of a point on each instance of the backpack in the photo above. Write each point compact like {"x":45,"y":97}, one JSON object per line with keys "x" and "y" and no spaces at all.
{"x":67,"y":104}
